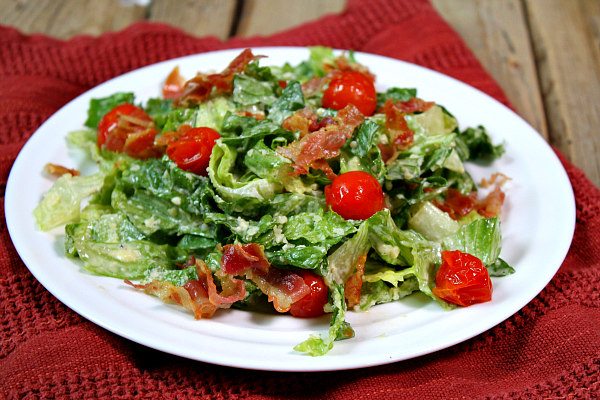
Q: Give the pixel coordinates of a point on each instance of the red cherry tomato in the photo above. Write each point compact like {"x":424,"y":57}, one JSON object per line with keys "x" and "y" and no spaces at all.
{"x":191,"y":151}
{"x":127,"y":129}
{"x":355,"y":195}
{"x":312,"y":304}
{"x":351,"y":87}
{"x":462,"y":279}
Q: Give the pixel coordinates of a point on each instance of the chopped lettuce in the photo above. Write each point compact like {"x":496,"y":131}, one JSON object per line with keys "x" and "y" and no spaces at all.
{"x":395,"y":94}
{"x":339,"y":329}
{"x":62,"y":203}
{"x":148,"y":219}
{"x":99,"y":107}
{"x":478,"y":145}
{"x":481,"y":238}
{"x":291,"y":99}
{"x":237,"y":195}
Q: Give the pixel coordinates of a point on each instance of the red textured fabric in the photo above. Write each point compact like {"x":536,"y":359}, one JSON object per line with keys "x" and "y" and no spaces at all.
{"x":550,"y":349}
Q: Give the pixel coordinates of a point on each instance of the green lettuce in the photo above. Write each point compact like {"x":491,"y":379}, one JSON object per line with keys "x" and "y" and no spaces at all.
{"x":291,"y":99}
{"x":99,"y":107}
{"x":107,"y":246}
{"x":477,"y":145}
{"x":339,"y":329}
{"x":237,"y":195}
{"x":62,"y":203}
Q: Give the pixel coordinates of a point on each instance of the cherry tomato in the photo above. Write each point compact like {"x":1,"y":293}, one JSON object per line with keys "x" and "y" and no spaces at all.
{"x":351,"y":87}
{"x":127,"y":129}
{"x":462,"y":279}
{"x":312,"y":304}
{"x":191,"y":151}
{"x":355,"y":195}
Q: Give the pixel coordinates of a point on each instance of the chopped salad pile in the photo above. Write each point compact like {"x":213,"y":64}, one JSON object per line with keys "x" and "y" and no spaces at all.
{"x":293,"y":189}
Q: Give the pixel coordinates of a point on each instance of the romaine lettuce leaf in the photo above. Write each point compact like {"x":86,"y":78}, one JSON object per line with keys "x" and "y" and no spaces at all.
{"x":62,"y":203}
{"x":99,"y":107}
{"x":395,"y":94}
{"x":481,"y":238}
{"x":377,"y":292}
{"x":321,"y":227}
{"x":248,"y":91}
{"x":479,"y":145}
{"x":237,"y":195}
{"x":291,"y":99}
{"x":342,"y":262}
{"x":339,"y":329}
{"x":113,"y":254}
{"x":361,"y":153}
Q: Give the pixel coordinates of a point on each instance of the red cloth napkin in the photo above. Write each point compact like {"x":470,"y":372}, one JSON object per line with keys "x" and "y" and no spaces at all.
{"x":549,"y":349}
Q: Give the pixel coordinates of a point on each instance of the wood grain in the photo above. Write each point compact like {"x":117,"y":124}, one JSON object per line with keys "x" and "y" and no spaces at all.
{"x":262,"y":17}
{"x":565,"y":38}
{"x":198,"y":17}
{"x":66,"y":18}
{"x":497,"y":32}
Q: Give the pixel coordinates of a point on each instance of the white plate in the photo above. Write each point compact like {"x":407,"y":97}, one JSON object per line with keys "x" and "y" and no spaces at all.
{"x":538,"y":222}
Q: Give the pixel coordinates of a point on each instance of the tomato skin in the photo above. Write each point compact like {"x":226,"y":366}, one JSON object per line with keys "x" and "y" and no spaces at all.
{"x":191,"y":151}
{"x":311,"y":305}
{"x":355,"y":195}
{"x":462,"y":279}
{"x":351,"y":87}
{"x":127,"y":129}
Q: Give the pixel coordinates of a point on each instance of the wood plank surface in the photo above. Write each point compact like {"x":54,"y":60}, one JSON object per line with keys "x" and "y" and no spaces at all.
{"x":200,"y":18}
{"x":262,"y":17}
{"x":566,"y":44}
{"x":497,"y":33}
{"x":66,"y":18}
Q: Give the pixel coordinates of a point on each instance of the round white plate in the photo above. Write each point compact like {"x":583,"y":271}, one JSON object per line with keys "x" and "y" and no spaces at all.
{"x":538,"y":222}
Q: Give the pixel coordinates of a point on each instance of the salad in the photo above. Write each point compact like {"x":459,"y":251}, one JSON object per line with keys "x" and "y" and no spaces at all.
{"x":296,"y":189}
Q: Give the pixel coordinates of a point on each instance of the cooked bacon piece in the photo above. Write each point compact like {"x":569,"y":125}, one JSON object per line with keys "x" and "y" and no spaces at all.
{"x":324,"y":143}
{"x":414,"y":105}
{"x":259,"y":116}
{"x":192,"y":296}
{"x":237,"y":259}
{"x":282,"y":287}
{"x":354,"y":283}
{"x":59,"y":170}
{"x":166,"y":138}
{"x":173,"y":87}
{"x":232,"y":289}
{"x":491,"y":205}
{"x":303,"y":121}
{"x":401,"y":136}
{"x":497,"y":179}
{"x":199,"y":296}
{"x":457,"y":205}
{"x":200,"y":87}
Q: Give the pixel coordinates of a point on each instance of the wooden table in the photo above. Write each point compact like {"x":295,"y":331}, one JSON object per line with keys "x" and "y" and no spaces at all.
{"x":544,"y":53}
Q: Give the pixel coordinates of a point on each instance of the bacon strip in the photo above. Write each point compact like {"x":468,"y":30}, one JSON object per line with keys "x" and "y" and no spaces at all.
{"x":457,"y":205}
{"x":200,"y":296}
{"x":282,"y":287}
{"x":401,"y":136}
{"x":316,"y":147}
{"x":200,"y":87}
{"x":354,"y":283}
{"x":59,"y":170}
{"x":192,"y":296}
